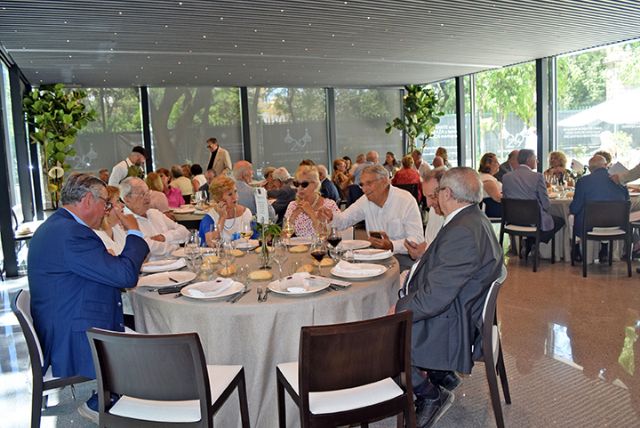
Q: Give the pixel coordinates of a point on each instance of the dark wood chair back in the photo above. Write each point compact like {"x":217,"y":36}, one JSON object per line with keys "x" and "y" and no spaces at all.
{"x":606,"y":214}
{"x":521,"y":212}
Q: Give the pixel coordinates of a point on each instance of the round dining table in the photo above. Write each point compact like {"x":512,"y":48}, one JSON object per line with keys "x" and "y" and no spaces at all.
{"x":260,"y":335}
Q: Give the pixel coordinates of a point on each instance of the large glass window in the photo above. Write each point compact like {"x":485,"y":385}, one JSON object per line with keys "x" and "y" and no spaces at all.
{"x":506,"y":110}
{"x":446,"y":134}
{"x":9,"y":138}
{"x":287,"y":125}
{"x":598,"y":93}
{"x":117,"y":128}
{"x":182,"y":119}
{"x":361,"y":118}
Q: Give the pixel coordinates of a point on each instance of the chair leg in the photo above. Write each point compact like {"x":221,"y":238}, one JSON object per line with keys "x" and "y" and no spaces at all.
{"x":36,"y":408}
{"x":553,"y":249}
{"x":493,"y":392}
{"x":535,"y":256}
{"x":282,"y":417}
{"x":244,"y":407}
{"x":629,"y":250}
{"x":573,"y":250}
{"x":585,"y":241}
{"x":502,"y":372}
{"x":400,"y":420}
{"x":610,"y":252}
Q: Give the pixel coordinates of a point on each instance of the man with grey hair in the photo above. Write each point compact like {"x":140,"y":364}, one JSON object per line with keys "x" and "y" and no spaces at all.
{"x":75,"y":282}
{"x":162,"y":234}
{"x":327,"y":188}
{"x":526,"y":183}
{"x":371,"y":158}
{"x":596,"y":186}
{"x":243,"y":174}
{"x":446,"y":290}
{"x":391,"y":214}
{"x":281,"y":191}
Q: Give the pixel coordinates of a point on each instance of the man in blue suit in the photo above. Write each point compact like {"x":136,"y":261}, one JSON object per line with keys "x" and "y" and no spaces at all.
{"x":74,"y":282}
{"x":596,"y":186}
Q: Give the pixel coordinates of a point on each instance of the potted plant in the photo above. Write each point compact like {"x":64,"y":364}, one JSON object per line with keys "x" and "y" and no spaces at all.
{"x":421,"y":115}
{"x":57,"y":115}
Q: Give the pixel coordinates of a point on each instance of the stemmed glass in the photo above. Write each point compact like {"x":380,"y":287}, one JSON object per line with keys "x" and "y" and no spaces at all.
{"x":192,"y":249}
{"x":226,"y":254}
{"x":318,"y":251}
{"x":216,"y":241}
{"x":287,"y":228}
{"x":334,"y":240}
{"x":280,"y":255}
{"x":246,"y":231}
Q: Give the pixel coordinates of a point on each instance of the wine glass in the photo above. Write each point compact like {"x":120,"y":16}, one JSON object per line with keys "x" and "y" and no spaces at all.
{"x":192,"y":249}
{"x":226,"y":253}
{"x":280,"y":255}
{"x":334,"y":240}
{"x":214,"y":241}
{"x":246,"y":231}
{"x":287,"y":228}
{"x":318,"y":251}
{"x":322,"y":229}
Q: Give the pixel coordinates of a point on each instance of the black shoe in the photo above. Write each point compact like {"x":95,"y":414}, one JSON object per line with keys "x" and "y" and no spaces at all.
{"x":429,"y":411}
{"x":446,"y":379}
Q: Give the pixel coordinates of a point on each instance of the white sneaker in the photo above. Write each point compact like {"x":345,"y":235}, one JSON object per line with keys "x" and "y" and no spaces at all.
{"x":87,"y":413}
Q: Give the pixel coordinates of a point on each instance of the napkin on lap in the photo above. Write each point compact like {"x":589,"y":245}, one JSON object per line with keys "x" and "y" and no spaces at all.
{"x":208,"y":289}
{"x":358,"y":269}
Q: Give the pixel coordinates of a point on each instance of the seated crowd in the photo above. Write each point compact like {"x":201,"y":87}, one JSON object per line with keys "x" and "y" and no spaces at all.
{"x":449,"y":264}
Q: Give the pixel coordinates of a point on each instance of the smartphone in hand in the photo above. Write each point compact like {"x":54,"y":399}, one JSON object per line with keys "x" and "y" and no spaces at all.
{"x":376,"y":235}
{"x":411,"y":243}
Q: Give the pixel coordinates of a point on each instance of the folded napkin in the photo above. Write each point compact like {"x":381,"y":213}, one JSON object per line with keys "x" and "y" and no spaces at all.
{"x":372,"y":254}
{"x":209,"y":289}
{"x":163,"y":265}
{"x":344,"y":267}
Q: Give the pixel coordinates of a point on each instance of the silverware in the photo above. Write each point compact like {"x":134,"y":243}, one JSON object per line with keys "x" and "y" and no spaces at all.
{"x":239,"y":296}
{"x":260,"y":294}
{"x":173,"y":280}
{"x":265,"y":296}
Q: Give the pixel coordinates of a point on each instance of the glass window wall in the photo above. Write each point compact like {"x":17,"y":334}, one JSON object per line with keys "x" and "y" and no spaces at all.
{"x":182,"y":119}
{"x":287,"y":125}
{"x":446,"y":134}
{"x":9,"y":138}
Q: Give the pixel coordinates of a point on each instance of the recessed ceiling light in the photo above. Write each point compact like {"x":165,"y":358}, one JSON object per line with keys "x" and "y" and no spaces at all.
{"x":119,"y":13}
{"x":206,"y":68}
{"x":235,"y":46}
{"x":166,"y":26}
{"x":221,"y":18}
{"x":255,"y":30}
{"x":204,"y":36}
{"x":67,"y":41}
{"x":195,"y":77}
{"x":179,"y":3}
{"x":171,"y":72}
{"x":179,"y":62}
{"x":283,"y":40}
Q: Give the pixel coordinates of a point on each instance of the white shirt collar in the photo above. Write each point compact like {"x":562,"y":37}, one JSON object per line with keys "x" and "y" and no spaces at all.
{"x":450,"y":217}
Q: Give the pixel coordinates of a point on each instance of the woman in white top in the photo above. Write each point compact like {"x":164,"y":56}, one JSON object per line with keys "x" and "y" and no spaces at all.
{"x":198,"y":179}
{"x":111,"y":233}
{"x":228,"y":216}
{"x":492,"y":188}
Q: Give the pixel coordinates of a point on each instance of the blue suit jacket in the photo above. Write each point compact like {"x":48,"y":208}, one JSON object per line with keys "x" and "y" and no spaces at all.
{"x":75,"y":284}
{"x":524,"y":183}
{"x":596,"y":186}
{"x":329,"y":190}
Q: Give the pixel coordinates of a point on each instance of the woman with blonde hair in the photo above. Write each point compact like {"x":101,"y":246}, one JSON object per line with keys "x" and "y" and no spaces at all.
{"x":111,"y":232}
{"x":226,"y":219}
{"x":341,"y":177}
{"x":159,"y":200}
{"x":303,"y":212}
{"x":558,"y":169}
{"x":442,"y":152}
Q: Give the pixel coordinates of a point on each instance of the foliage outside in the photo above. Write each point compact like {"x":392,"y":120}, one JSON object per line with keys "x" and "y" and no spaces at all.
{"x":421,"y":115}
{"x":56,"y":115}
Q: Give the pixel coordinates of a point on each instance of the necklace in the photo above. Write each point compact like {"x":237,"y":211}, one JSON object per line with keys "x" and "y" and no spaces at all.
{"x":233,"y":222}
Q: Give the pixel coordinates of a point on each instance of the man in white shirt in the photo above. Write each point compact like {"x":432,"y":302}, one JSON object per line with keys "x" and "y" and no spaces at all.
{"x":422,"y":166}
{"x":388,"y":210}
{"x":436,"y":218}
{"x":131,"y":166}
{"x":162,"y":234}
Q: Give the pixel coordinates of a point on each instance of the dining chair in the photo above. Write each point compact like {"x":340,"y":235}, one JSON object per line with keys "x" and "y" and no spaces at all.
{"x":42,"y":383}
{"x":605,"y":214}
{"x":162,"y":380}
{"x":492,"y":209}
{"x":521,"y":217}
{"x":351,"y":373}
{"x":492,"y":350}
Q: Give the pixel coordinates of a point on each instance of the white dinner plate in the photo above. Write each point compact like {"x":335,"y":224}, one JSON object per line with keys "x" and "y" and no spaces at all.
{"x":180,"y":252}
{"x":298,"y":240}
{"x":185,"y":210}
{"x":634,"y":194}
{"x":297,"y":286}
{"x":163,"y":265}
{"x":356,"y":275}
{"x":207,"y":290}
{"x":166,"y":279}
{"x":354,"y":244}
{"x":243,"y":244}
{"x":371,"y":254}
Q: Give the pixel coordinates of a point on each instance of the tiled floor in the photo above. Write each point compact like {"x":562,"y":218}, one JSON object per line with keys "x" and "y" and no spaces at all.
{"x":570,"y":346}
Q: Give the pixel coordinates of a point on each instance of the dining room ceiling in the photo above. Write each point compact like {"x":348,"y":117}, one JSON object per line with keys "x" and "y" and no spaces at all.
{"x":299,"y":43}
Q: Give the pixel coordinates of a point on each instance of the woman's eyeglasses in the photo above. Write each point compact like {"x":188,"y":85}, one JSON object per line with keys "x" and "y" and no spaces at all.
{"x":303,"y":184}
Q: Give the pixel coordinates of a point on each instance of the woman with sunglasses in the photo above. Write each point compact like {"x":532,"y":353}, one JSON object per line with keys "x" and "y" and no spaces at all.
{"x":303,"y":212}
{"x":111,"y":232}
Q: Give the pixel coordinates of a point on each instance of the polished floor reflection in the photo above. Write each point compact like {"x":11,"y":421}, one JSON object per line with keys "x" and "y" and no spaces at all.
{"x":570,"y":344}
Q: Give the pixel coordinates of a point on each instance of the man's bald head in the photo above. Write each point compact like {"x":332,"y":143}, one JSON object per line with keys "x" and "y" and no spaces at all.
{"x":597,"y":162}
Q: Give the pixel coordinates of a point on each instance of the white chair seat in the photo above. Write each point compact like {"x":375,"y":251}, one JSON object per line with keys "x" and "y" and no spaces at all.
{"x":515,"y":228}
{"x":175,"y":411}
{"x":343,"y":399}
{"x":603,"y":231}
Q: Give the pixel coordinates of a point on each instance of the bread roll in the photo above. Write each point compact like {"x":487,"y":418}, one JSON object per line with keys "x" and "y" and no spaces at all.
{"x":260,"y":275}
{"x":236,"y":253}
{"x":299,"y":249}
{"x":327,"y":261}
{"x":259,"y":250}
{"x":228,"y":271}
{"x":306,"y":268}
{"x":210,"y":259}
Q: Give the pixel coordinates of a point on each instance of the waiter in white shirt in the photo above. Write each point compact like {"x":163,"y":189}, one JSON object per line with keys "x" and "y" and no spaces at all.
{"x":390,"y":211}
{"x":130,"y":167}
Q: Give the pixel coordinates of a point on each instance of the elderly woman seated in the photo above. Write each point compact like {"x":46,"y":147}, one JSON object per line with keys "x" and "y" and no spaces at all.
{"x":303,"y":212}
{"x":491,"y":187}
{"x":111,"y":232}
{"x":408,"y":175}
{"x":558,"y":169}
{"x":227,"y":219}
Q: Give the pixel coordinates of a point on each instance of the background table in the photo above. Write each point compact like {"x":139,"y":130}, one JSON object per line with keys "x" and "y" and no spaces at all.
{"x":261,"y":335}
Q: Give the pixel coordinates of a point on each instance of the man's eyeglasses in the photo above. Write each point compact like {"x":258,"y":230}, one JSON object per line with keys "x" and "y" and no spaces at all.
{"x":368,"y":183}
{"x":303,"y":184}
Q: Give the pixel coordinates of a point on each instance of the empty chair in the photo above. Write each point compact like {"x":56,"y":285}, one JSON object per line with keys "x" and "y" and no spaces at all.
{"x":162,"y":380}
{"x":21,"y":307}
{"x":609,"y":214}
{"x":492,"y":350}
{"x":521,"y":217}
{"x":346,"y":373}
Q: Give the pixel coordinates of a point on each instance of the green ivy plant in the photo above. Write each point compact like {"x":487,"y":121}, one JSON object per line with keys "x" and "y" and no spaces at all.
{"x":57,"y":115}
{"x":421,"y":108}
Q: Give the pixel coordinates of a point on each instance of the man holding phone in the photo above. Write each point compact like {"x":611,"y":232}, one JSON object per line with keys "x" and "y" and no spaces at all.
{"x":391,"y":214}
